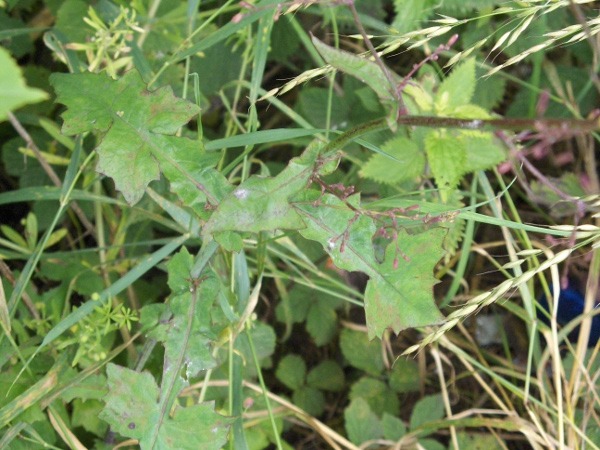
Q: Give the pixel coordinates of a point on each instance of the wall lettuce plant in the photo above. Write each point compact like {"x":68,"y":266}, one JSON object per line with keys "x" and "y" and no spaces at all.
{"x":154,"y":315}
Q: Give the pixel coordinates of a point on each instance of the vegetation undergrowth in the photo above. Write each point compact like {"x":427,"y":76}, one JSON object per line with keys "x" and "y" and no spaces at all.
{"x":304,"y":224}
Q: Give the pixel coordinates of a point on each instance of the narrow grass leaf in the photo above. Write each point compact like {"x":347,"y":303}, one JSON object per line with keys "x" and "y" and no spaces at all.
{"x":4,"y":315}
{"x":35,"y":393}
{"x":225,"y":32}
{"x":262,"y":137}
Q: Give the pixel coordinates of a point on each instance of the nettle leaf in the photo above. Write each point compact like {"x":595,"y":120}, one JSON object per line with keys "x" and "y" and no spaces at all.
{"x":410,"y":14}
{"x":261,"y":203}
{"x":366,"y":71}
{"x":383,"y":169}
{"x":452,"y":154}
{"x":420,"y":97}
{"x":457,"y":89}
{"x":133,"y":410}
{"x":396,"y":298}
{"x":447,"y":158}
{"x":455,"y":227}
{"x":13,"y":91}
{"x":134,"y":121}
{"x":482,"y":153}
{"x":489,"y":91}
{"x":470,"y":111}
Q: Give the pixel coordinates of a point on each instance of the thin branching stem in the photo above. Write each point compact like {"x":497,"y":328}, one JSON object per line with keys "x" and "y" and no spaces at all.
{"x":49,"y":170}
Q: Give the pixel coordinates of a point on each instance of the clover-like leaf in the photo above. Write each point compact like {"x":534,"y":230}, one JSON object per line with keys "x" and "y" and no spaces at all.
{"x":133,"y":119}
{"x":377,"y":394}
{"x":361,"y":353}
{"x":291,"y":371}
{"x":362,"y":424}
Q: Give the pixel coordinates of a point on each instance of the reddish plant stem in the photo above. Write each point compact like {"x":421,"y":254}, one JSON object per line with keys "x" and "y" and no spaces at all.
{"x":557,"y":128}
{"x":434,"y":56}
{"x":541,"y":177}
{"x":522,"y":158}
{"x":27,"y":301}
{"x":369,"y":44}
{"x":576,"y":10}
{"x":565,"y":127}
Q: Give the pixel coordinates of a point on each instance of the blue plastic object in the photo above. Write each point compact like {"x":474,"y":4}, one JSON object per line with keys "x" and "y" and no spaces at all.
{"x":570,"y":305}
